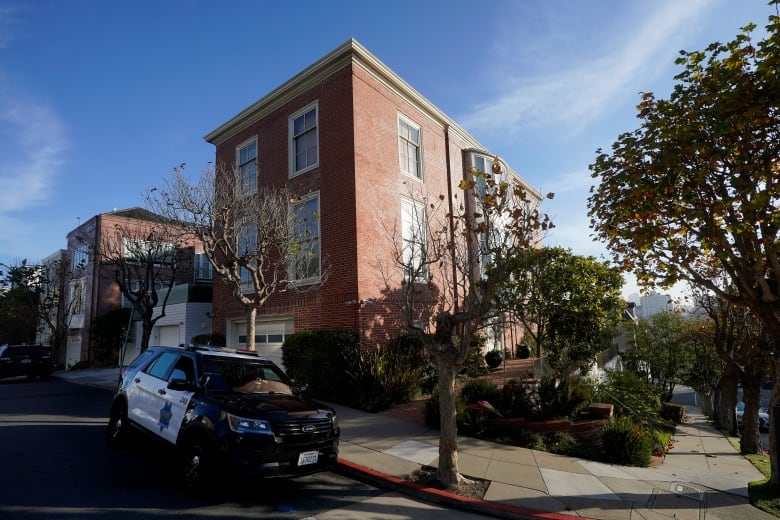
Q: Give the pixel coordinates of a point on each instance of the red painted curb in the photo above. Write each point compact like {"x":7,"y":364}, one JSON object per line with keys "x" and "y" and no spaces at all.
{"x":466,"y":503}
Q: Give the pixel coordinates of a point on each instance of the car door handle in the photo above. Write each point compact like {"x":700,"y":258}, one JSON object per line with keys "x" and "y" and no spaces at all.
{"x":161,"y":391}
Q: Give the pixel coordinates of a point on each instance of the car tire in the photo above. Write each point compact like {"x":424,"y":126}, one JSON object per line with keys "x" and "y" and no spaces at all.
{"x":195,"y":461}
{"x":118,"y":426}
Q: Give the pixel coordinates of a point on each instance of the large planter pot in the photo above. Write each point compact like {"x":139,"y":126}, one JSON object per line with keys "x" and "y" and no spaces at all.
{"x":494,"y":358}
{"x":523,"y":351}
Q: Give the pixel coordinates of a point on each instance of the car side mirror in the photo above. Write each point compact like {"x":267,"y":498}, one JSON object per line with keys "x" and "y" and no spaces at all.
{"x":181,"y":385}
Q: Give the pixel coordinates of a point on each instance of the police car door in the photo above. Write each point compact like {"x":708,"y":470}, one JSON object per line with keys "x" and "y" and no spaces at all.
{"x":146,"y":402}
{"x":175,"y":402}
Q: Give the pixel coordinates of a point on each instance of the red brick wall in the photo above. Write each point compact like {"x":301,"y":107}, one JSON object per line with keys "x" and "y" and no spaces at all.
{"x":361,"y":188}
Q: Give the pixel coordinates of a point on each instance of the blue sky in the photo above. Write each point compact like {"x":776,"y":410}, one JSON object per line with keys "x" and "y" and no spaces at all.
{"x":99,"y":100}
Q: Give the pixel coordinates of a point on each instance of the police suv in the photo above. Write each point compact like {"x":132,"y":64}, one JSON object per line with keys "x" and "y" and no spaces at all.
{"x":226,"y":412}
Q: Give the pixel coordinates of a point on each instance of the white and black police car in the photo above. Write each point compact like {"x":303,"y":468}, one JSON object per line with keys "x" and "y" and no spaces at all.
{"x":227,"y":413}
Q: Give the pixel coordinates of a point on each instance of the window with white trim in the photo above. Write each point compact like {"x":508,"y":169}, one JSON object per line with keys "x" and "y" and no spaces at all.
{"x":414,"y":238}
{"x":149,"y":251}
{"x":306,"y":234}
{"x":202,"y":267}
{"x":77,"y":296}
{"x":247,"y":244}
{"x":304,"y":140}
{"x":246,"y":158}
{"x":409,"y":147}
{"x":80,"y":257}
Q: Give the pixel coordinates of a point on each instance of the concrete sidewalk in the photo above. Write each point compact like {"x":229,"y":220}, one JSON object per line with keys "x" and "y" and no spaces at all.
{"x":701,"y":477}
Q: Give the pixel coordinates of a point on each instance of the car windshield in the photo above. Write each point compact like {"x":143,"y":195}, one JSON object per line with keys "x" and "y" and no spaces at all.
{"x":240,"y":375}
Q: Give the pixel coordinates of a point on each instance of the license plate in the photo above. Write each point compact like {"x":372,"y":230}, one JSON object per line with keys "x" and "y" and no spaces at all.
{"x":308,"y":457}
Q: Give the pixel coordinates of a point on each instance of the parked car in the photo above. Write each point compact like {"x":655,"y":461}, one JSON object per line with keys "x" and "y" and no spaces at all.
{"x":26,"y":360}
{"x":225,"y":413}
{"x":763,"y":417}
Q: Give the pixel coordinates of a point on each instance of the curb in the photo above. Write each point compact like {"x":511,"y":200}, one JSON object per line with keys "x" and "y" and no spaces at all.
{"x":442,"y":497}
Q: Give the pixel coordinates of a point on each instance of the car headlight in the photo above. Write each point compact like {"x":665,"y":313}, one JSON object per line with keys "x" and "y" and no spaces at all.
{"x":244,"y":425}
{"x":334,"y":422}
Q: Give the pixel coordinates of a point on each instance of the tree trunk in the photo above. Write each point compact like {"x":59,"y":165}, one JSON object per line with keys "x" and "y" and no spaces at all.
{"x":705,"y":401}
{"x":448,"y":474}
{"x":146,"y":334}
{"x":725,"y":414}
{"x":251,"y":315}
{"x":751,"y":396}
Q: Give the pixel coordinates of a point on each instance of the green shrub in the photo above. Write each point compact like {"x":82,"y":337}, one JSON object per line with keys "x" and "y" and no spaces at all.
{"x":385,"y":376}
{"x":317,"y":358}
{"x":432,"y":417}
{"x":474,"y":365}
{"x":673,"y":412}
{"x":515,"y":399}
{"x":625,"y":442}
{"x":561,"y":443}
{"x":476,"y":390}
{"x":631,"y":396}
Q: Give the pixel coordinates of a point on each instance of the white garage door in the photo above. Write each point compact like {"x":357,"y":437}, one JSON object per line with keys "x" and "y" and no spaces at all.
{"x":169,"y":335}
{"x":269,"y":336}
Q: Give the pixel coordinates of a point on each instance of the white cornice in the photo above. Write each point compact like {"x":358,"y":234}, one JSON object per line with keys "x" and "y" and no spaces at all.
{"x":350,"y":52}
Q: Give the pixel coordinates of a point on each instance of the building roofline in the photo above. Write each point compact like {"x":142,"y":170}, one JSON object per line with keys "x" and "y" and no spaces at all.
{"x":350,"y":52}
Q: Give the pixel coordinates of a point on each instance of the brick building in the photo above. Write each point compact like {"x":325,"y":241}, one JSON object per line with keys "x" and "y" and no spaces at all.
{"x":362,"y":148}
{"x":91,"y":290}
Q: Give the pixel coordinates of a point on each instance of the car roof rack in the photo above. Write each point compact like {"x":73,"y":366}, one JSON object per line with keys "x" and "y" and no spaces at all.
{"x":215,"y":348}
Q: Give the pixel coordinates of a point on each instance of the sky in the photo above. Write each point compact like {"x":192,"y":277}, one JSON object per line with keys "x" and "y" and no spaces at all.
{"x":100,"y":100}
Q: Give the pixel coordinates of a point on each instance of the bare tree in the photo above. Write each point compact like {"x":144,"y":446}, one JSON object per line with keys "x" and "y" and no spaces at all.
{"x":463,"y":247}
{"x":55,"y":308}
{"x":259,"y":240}
{"x":146,"y":259}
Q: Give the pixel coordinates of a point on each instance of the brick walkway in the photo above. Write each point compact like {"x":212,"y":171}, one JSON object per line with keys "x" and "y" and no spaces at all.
{"x":414,"y":411}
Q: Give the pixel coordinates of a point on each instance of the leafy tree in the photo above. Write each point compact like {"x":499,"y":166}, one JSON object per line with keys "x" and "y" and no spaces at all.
{"x":663,"y":351}
{"x":738,"y":339}
{"x":565,"y":302}
{"x":108,"y":333}
{"x":462,"y":259}
{"x":259,"y":239}
{"x":705,"y":371}
{"x":18,"y":303}
{"x":693,"y":192}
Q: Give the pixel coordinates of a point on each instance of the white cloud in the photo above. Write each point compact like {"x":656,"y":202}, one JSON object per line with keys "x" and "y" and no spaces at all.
{"x":32,"y":153}
{"x":575,"y":96}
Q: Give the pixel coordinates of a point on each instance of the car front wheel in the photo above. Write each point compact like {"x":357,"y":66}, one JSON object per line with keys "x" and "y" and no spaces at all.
{"x":195,"y":462}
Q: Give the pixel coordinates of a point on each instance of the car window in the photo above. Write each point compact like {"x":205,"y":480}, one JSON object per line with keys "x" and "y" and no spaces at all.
{"x":142,"y":359}
{"x":244,"y":376}
{"x":184,"y":369}
{"x":160,"y":367}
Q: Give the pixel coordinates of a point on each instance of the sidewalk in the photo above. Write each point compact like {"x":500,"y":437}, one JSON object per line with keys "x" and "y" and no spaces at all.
{"x":701,"y":477}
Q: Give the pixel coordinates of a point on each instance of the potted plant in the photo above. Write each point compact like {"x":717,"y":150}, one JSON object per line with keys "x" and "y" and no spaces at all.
{"x":494,"y":358}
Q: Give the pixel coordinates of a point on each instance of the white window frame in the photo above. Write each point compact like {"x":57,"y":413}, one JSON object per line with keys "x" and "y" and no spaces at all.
{"x":313,"y":243}
{"x":414,"y":240}
{"x":293,"y":139}
{"x":245,"y":185}
{"x":164,"y":251}
{"x":80,"y":257}
{"x":77,"y":296}
{"x":404,"y":144}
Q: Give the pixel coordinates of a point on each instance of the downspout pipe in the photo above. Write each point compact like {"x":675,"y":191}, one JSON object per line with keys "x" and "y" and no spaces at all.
{"x":451,"y":215}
